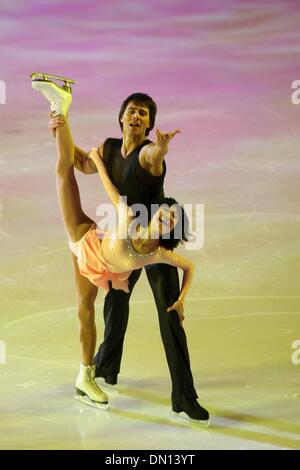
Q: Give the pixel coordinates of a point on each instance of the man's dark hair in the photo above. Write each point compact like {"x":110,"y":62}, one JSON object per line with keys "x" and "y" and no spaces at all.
{"x":180,"y":232}
{"x":143,"y":100}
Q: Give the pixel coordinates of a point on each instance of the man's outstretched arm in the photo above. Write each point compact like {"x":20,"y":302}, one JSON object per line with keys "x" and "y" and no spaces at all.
{"x":152,"y":155}
{"x":82,"y":161}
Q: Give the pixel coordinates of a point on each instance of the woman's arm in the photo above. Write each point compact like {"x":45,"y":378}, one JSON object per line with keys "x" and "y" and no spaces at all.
{"x":124,"y":212}
{"x":188,"y":267}
{"x":108,"y":185}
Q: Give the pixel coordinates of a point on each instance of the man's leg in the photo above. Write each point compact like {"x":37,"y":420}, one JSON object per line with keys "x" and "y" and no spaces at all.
{"x":164,"y":283}
{"x":116,"y":311}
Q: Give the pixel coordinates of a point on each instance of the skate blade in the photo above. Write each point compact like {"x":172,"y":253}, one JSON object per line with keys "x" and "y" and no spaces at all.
{"x":86,"y":400}
{"x":184,"y":418}
{"x":45,"y":76}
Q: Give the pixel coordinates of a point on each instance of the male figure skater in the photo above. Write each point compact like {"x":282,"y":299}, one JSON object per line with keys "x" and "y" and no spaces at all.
{"x":137,"y":168}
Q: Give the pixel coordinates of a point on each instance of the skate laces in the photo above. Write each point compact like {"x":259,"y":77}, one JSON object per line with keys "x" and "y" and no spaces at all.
{"x":49,"y":96}
{"x":93,"y":386}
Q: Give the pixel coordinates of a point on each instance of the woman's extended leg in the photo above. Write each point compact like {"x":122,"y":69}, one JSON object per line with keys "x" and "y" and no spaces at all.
{"x":86,"y":296}
{"x":76,"y":222}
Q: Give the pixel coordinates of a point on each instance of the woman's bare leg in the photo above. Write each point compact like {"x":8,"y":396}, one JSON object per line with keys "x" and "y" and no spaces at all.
{"x":86,"y":388}
{"x":76,"y":222}
{"x":86,"y":296}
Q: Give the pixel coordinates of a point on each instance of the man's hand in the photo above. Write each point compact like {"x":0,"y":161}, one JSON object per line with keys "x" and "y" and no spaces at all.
{"x":54,"y":123}
{"x":179,"y":307}
{"x":82,"y":161}
{"x":163,"y":139}
{"x":152,"y":155}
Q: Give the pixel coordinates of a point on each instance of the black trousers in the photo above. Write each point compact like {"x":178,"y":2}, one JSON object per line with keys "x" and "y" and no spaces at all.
{"x":164,"y":283}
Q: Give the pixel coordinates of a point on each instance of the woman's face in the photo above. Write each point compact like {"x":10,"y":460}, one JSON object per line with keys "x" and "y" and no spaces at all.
{"x":164,"y":220}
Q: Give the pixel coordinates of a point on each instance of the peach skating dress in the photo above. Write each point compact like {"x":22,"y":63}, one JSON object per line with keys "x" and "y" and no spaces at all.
{"x":104,"y":257}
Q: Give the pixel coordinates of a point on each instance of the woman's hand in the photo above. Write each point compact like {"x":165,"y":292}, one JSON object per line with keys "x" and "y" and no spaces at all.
{"x":54,"y":123}
{"x":179,"y":307}
{"x":95,"y":155}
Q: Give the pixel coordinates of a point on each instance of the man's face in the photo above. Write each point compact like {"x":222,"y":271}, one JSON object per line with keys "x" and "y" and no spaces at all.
{"x":135,"y":119}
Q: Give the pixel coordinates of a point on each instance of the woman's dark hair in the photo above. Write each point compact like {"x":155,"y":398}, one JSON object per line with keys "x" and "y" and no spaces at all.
{"x":143,"y":100}
{"x":180,"y":232}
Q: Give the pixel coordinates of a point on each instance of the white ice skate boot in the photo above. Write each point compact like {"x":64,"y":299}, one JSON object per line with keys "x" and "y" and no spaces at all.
{"x":59,"y":97}
{"x":88,"y":391}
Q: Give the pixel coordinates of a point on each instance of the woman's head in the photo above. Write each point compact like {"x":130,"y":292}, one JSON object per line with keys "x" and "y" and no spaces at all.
{"x":170,"y":223}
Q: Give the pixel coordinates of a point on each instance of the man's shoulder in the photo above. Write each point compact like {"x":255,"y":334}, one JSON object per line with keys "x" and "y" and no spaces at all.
{"x":112,"y":141}
{"x":109,"y":145}
{"x":147,"y":142}
{"x":143,"y":148}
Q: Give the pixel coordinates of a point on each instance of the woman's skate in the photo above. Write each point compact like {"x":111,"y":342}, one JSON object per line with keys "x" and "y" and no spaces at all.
{"x":87,"y":391}
{"x":59,"y":97}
